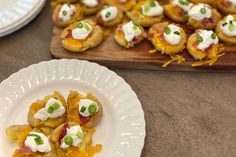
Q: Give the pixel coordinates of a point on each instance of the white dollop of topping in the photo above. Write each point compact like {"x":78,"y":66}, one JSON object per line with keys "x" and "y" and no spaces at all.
{"x":82,"y":31}
{"x":207,"y":39}
{"x":90,"y":3}
{"x":225,"y":26}
{"x":200,"y":12}
{"x":43,"y":113}
{"x":152,"y":8}
{"x":109,"y":13}
{"x":233,"y":2}
{"x":173,"y":37}
{"x":184,"y":4}
{"x":30,"y":143}
{"x":66,"y":11}
{"x":131,"y":30}
{"x":73,"y":132}
{"x":84,"y":105}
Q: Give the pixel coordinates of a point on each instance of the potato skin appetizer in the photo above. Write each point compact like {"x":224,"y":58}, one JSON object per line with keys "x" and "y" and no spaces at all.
{"x":20,"y":133}
{"x":156,"y":36}
{"x":226,"y":6}
{"x":84,"y":147}
{"x":231,"y":29}
{"x":202,"y":16}
{"x":146,"y":13}
{"x":66,"y":18}
{"x":123,"y":5}
{"x":210,"y":47}
{"x":176,"y":11}
{"x":90,"y":10}
{"x":74,"y":111}
{"x":94,"y":38}
{"x":124,"y":30}
{"x":50,"y":122}
{"x":109,"y":16}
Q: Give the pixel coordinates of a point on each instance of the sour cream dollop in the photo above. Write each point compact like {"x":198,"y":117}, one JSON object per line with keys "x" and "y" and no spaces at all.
{"x":172,"y":34}
{"x":184,"y":4}
{"x":37,"y":142}
{"x":109,"y":13}
{"x":73,"y":137}
{"x":66,"y":12}
{"x":87,"y":107}
{"x":206,"y":39}
{"x":52,"y":109}
{"x":152,"y":8}
{"x":82,"y":30}
{"x":90,"y":3}
{"x":131,"y":30}
{"x":200,"y":12}
{"x":228,"y":27}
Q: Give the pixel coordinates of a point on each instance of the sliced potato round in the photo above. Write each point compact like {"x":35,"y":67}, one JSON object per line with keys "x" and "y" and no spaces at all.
{"x":226,"y":7}
{"x":175,"y":13}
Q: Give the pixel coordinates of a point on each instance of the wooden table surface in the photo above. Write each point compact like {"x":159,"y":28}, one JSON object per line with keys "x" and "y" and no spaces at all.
{"x":187,"y":114}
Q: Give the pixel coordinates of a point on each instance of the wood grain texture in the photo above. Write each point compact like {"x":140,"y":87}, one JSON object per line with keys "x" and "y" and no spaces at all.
{"x":187,"y":114}
{"x":110,"y":54}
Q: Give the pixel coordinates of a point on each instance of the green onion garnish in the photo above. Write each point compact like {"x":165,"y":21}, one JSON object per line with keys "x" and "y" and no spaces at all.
{"x":177,"y":33}
{"x":80,"y":135}
{"x":55,"y":106}
{"x":183,"y":2}
{"x":50,"y":109}
{"x":68,"y":140}
{"x":86,"y":26}
{"x":167,"y":30}
{"x":38,"y":140}
{"x":199,"y":39}
{"x":64,"y":13}
{"x":213,"y":36}
{"x":82,"y":109}
{"x":92,"y":109}
{"x":224,"y":24}
{"x":108,"y":14}
{"x":231,"y":27}
{"x":152,"y":4}
{"x":203,"y":10}
{"x":79,"y":25}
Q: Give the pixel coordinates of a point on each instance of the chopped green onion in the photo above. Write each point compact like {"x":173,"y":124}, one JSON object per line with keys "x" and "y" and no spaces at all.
{"x":108,"y":14}
{"x":68,"y":140}
{"x":186,"y":14}
{"x":231,"y":22}
{"x":199,"y":39}
{"x":177,"y":33}
{"x":231,"y":27}
{"x":64,"y":13}
{"x":50,"y":109}
{"x":183,"y":2}
{"x":82,"y":109}
{"x":80,"y":135}
{"x":55,"y":106}
{"x":69,"y":5}
{"x":167,"y":30}
{"x":224,"y":24}
{"x":79,"y":25}
{"x":203,"y":10}
{"x":38,"y":140}
{"x":146,"y":7}
{"x":152,"y":4}
{"x":86,"y":26}
{"x":213,"y":36}
{"x":92,"y":109}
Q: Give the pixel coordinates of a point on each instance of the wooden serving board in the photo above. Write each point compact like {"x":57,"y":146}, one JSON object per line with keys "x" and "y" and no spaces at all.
{"x":110,"y":54}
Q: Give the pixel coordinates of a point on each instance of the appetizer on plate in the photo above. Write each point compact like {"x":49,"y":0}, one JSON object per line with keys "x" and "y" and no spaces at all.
{"x":204,"y":45}
{"x":124,"y":5}
{"x":203,"y":16}
{"x":65,"y":14}
{"x":84,"y":110}
{"x":146,"y":13}
{"x":109,"y":16}
{"x":177,"y":10}
{"x":72,"y":140}
{"x":30,"y":142}
{"x":226,"y":29}
{"x":210,"y":2}
{"x":81,"y":36}
{"x":129,"y":34}
{"x":91,"y":7}
{"x":169,"y":39}
{"x":49,"y":112}
{"x":227,"y":6}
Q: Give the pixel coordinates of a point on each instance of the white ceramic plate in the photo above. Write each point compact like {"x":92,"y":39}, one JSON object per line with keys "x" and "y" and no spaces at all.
{"x":14,"y":14}
{"x":122,"y":129}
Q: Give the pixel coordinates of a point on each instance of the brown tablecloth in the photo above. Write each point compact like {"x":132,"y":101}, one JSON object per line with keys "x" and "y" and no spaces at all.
{"x":187,"y":114}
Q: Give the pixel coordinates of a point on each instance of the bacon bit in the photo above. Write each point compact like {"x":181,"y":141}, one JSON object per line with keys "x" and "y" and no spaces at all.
{"x":69,"y":35}
{"x":99,"y":20}
{"x":209,"y":48}
{"x":99,"y":1}
{"x":63,"y":132}
{"x":83,"y":119}
{"x":135,"y":39}
{"x":208,"y":22}
{"x":24,"y":150}
{"x":181,"y":12}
